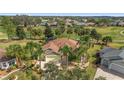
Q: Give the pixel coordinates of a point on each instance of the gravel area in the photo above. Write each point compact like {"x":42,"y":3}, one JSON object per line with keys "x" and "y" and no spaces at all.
{"x":108,"y":74}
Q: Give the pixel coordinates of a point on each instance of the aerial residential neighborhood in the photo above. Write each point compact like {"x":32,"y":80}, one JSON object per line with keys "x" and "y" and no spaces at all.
{"x":61,"y":47}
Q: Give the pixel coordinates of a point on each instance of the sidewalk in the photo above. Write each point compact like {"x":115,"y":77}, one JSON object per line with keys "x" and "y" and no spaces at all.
{"x":9,"y":74}
{"x":109,"y":75}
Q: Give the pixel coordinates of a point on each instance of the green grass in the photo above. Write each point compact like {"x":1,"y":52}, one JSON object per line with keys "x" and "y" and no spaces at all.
{"x":71,"y":36}
{"x":112,"y":31}
{"x":3,"y":34}
{"x":11,"y":42}
{"x":116,"y":45}
{"x":91,"y":69}
{"x":22,"y":75}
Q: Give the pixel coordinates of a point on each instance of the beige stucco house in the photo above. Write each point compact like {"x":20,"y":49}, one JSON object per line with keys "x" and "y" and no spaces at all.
{"x":51,"y":49}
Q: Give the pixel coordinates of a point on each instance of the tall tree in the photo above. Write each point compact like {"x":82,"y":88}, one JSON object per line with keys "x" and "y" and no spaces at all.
{"x":65,"y":52}
{"x":34,"y":50}
{"x":8,"y":25}
{"x":15,"y":51}
{"x":85,"y":40}
{"x":20,"y":32}
{"x":107,"y":39}
{"x":29,"y":29}
{"x":85,"y":43}
{"x":57,"y":32}
{"x":48,"y":32}
{"x":62,"y":26}
{"x":98,"y":37}
{"x":93,"y":33}
{"x":69,"y":30}
{"x":36,"y":33}
{"x":76,"y":29}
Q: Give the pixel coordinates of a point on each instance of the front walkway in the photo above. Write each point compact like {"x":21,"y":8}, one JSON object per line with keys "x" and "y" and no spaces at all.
{"x":9,"y":74}
{"x":108,"y":74}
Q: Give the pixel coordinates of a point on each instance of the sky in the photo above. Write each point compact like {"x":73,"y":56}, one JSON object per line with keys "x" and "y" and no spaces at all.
{"x":63,"y":14}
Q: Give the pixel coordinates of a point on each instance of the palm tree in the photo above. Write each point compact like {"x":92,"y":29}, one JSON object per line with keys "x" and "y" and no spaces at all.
{"x":85,"y":40}
{"x":76,"y":29}
{"x":38,"y":50}
{"x":95,"y":35}
{"x":29,"y":29}
{"x":51,"y":72}
{"x":65,"y":52}
{"x":98,"y":37}
{"x":69,"y":31}
{"x":29,"y":48}
{"x":20,"y":33}
{"x":107,"y":39}
{"x":8,"y":25}
{"x":15,"y":51}
{"x":34,"y":49}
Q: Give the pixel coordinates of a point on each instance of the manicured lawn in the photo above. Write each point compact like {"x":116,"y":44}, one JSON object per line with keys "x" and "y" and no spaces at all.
{"x":112,"y":31}
{"x":91,"y":69}
{"x":116,"y":45}
{"x":21,"y":42}
{"x":3,"y":34}
{"x":71,"y":36}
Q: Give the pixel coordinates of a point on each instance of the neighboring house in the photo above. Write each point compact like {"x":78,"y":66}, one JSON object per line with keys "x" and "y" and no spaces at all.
{"x":44,"y":22}
{"x":105,"y":50}
{"x":90,"y":24}
{"x":53,"y":24}
{"x":121,"y":23}
{"x":113,"y":59}
{"x":5,"y":62}
{"x":81,"y":24}
{"x":113,"y":23}
{"x":51,"y":49}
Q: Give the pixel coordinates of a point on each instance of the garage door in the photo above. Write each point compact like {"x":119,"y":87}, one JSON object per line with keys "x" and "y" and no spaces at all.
{"x":119,"y":67}
{"x":52,"y":58}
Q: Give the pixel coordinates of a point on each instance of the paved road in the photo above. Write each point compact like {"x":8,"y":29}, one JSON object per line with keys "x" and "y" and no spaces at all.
{"x":110,"y":75}
{"x":9,"y":74}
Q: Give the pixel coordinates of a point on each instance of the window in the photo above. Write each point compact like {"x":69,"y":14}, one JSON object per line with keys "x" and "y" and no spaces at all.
{"x":11,"y":63}
{"x":4,"y":64}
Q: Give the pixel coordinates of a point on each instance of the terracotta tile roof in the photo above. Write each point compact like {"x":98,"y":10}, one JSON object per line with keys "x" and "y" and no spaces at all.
{"x":55,"y":45}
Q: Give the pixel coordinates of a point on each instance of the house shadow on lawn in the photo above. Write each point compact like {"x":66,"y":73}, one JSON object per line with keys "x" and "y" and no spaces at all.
{"x":112,"y":71}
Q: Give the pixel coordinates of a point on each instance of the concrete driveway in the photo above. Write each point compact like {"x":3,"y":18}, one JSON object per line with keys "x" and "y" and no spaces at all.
{"x":108,"y":74}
